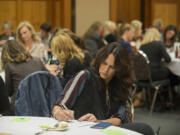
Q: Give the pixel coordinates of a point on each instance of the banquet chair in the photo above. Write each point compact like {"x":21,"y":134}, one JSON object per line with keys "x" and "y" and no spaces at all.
{"x":37,"y":94}
{"x":143,"y":79}
{"x":129,"y":113}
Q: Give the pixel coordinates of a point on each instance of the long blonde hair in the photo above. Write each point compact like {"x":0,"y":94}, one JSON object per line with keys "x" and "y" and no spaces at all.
{"x":31,"y":28}
{"x":63,"y":48}
{"x":151,"y":34}
{"x":108,"y":27}
{"x":136,"y":24}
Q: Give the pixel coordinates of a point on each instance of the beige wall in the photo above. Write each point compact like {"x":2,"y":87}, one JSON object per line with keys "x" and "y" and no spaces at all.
{"x":89,"y":11}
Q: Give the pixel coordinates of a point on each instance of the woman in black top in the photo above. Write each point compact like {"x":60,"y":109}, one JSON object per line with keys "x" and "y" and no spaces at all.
{"x":70,"y":57}
{"x":101,"y":92}
{"x":156,"y":52}
{"x":107,"y":83}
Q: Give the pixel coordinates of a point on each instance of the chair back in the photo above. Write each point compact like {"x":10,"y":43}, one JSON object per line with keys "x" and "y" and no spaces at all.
{"x":37,"y":94}
{"x":141,"y":66}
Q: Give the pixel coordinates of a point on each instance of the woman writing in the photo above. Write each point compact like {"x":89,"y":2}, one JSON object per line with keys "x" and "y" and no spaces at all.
{"x":100,"y":93}
{"x":105,"y":87}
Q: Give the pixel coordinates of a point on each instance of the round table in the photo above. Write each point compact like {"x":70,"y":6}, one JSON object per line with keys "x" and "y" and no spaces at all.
{"x":14,"y":125}
{"x":174,"y":65}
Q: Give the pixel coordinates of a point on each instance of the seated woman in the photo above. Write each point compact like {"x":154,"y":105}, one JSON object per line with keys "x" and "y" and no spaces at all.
{"x":101,"y":92}
{"x":80,"y":43}
{"x":17,"y":63}
{"x":169,"y":36}
{"x":92,"y":38}
{"x":155,"y":51}
{"x":126,"y":35}
{"x":7,"y":33}
{"x":27,"y":37}
{"x":70,"y":57}
{"x":136,"y":42}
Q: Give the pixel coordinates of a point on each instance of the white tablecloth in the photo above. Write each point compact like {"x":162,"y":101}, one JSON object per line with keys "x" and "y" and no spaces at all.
{"x":30,"y":125}
{"x":174,"y":65}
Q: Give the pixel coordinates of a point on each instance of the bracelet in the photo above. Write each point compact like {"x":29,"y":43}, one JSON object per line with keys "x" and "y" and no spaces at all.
{"x":56,"y":111}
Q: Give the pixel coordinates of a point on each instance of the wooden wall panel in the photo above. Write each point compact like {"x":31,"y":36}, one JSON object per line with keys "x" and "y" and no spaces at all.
{"x":147,"y":14}
{"x":63,"y":13}
{"x":114,"y":10}
{"x":8,"y":12}
{"x":168,"y":12}
{"x":134,"y":9}
{"x":34,"y":11}
{"x":125,"y":10}
{"x":56,"y":12}
{"x":67,"y":13}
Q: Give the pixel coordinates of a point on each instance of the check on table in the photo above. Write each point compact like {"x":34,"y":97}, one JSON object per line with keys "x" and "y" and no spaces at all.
{"x":13,"y":125}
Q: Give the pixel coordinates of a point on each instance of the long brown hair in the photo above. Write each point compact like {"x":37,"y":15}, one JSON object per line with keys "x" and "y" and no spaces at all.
{"x":12,"y":52}
{"x":123,"y":78}
{"x":95,"y":27}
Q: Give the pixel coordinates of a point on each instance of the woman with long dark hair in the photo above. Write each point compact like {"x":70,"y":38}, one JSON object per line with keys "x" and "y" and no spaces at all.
{"x":107,"y":83}
{"x":99,"y":93}
{"x":169,"y":36}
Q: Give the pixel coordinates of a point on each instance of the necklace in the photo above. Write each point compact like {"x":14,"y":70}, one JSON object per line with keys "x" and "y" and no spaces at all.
{"x":107,"y":100}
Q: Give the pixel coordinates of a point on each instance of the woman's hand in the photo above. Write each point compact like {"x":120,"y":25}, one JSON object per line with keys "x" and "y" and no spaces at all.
{"x":88,"y":117}
{"x":62,"y":115}
{"x":53,"y":69}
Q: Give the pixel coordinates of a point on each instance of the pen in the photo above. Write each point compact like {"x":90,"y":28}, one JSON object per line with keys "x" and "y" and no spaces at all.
{"x":63,"y":106}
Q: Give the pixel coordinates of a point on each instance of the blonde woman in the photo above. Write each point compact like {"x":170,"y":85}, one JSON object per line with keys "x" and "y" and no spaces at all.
{"x":158,"y":24}
{"x":17,"y":64}
{"x":155,"y":51}
{"x":70,"y":57}
{"x":27,"y":37}
{"x":109,"y":30}
{"x":126,"y":35}
{"x":137,"y":25}
{"x":80,"y":43}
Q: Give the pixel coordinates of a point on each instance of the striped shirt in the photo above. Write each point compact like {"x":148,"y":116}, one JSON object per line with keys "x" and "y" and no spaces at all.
{"x":74,"y":88}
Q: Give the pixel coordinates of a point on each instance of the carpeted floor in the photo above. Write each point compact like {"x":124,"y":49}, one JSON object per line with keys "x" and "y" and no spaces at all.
{"x":169,"y":121}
